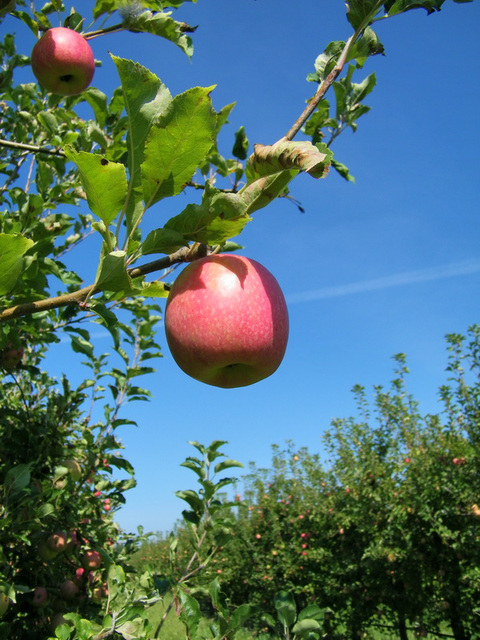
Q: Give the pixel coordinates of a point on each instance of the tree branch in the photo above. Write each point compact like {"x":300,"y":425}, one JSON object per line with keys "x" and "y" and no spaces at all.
{"x":100,"y":32}
{"x":79,"y":297}
{"x":332,"y":76}
{"x":31,"y":147}
{"x":322,"y":90}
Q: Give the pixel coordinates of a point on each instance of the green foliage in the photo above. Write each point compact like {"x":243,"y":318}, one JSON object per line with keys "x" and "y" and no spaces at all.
{"x":308,"y":623}
{"x":66,"y":177}
{"x":62,"y":473}
{"x":380,"y":529}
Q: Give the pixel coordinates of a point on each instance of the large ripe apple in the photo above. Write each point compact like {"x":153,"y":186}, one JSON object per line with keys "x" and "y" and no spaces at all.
{"x":226,"y":321}
{"x":63,"y":62}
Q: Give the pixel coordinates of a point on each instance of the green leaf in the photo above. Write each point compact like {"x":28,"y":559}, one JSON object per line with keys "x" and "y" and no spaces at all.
{"x":327,"y":60}
{"x":269,"y":619}
{"x":194,"y":465}
{"x":271,"y":168}
{"x":162,"y":241}
{"x":107,"y":317}
{"x":214,"y":591}
{"x":98,"y":101}
{"x":146,"y":98}
{"x":161,"y":24}
{"x":12,"y":248}
{"x":105,"y":183}
{"x":17,"y":478}
{"x":342,"y":170}
{"x":260,"y":193}
{"x":400,"y":6}
{"x":190,"y":611}
{"x":312,"y":611}
{"x":240,"y":146}
{"x":106,"y":6}
{"x":191,"y":223}
{"x":177,"y":144}
{"x":227,"y":464}
{"x":192,"y":499}
{"x":44,"y":510}
{"x":152,"y":290}
{"x":62,"y":631}
{"x":367,"y":45}
{"x":79,"y":345}
{"x":361,"y":12}
{"x":27,"y":19}
{"x":112,"y":273}
{"x":241,"y":615}
{"x":306,"y":626}
{"x":286,"y":608}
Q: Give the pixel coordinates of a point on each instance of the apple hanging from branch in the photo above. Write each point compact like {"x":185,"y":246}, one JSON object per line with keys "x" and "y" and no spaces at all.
{"x":226,"y":321}
{"x":63,"y":62}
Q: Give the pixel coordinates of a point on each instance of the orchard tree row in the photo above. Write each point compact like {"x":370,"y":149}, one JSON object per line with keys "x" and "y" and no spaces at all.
{"x":67,"y":177}
{"x":381,"y":530}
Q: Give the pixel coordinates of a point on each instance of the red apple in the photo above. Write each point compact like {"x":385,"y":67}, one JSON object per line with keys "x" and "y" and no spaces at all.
{"x":91,"y":559}
{"x":57,"y":541}
{"x":63,"y":62}
{"x":226,"y":321}
{"x":11,"y":357}
{"x":40,"y":597}
{"x":69,"y":590}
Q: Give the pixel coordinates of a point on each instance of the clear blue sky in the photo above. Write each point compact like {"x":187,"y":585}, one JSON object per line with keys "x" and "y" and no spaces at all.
{"x":389,"y":264}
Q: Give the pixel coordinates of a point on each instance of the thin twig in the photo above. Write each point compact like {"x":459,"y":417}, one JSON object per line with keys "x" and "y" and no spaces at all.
{"x":322,"y":89}
{"x":100,"y":32}
{"x":31,"y":147}
{"x":332,"y":76}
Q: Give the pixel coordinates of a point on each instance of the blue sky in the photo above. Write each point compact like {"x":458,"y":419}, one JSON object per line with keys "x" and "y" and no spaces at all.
{"x":389,"y":264}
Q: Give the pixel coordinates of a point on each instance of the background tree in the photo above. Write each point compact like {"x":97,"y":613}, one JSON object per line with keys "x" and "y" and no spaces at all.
{"x":384,"y":531}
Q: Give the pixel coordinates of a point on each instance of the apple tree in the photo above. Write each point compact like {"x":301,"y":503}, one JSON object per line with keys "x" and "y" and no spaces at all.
{"x":381,"y":528}
{"x":68,"y":178}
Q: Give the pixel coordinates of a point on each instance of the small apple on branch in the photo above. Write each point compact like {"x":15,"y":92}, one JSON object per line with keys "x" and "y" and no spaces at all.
{"x":63,"y":62}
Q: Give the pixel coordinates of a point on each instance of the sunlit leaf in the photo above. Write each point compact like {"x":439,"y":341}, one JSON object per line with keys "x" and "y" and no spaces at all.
{"x":177,"y":144}
{"x":162,"y":24}
{"x":12,"y":248}
{"x":112,"y":273}
{"x":146,"y":98}
{"x":104,"y":182}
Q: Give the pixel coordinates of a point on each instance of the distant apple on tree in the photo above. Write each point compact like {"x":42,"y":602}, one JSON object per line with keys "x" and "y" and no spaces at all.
{"x":91,"y":559}
{"x":63,"y":62}
{"x":40,"y":597}
{"x":69,"y":590}
{"x":226,"y":321}
{"x":11,"y":357}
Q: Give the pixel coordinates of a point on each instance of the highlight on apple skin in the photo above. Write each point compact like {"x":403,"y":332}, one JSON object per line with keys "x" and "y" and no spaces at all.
{"x":63,"y":62}
{"x":226,"y":321}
